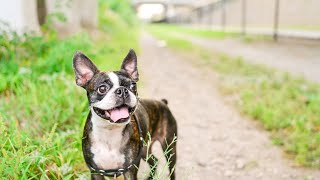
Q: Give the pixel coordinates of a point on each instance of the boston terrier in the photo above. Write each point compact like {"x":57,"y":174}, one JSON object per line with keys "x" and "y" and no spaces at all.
{"x":119,"y":123}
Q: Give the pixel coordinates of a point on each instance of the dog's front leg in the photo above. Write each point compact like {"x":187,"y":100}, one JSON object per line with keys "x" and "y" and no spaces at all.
{"x":131,"y":174}
{"x":96,"y":177}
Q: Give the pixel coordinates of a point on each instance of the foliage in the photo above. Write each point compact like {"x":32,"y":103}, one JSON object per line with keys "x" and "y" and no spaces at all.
{"x":122,"y":8}
{"x":42,"y":111}
{"x":286,"y":106}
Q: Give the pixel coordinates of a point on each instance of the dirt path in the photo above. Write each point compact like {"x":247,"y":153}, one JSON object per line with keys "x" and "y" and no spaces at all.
{"x":214,"y":141}
{"x":298,"y":59}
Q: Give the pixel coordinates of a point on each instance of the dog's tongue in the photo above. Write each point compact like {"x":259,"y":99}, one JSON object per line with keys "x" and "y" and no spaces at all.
{"x":119,"y":113}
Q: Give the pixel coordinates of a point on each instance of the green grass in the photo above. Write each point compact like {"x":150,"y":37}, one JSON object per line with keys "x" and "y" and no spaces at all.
{"x":286,"y":106}
{"x":42,"y":111}
{"x":206,"y":33}
{"x":195,"y":32}
{"x":302,"y":28}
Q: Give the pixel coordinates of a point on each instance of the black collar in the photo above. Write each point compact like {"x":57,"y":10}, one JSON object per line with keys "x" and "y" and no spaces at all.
{"x":118,"y":172}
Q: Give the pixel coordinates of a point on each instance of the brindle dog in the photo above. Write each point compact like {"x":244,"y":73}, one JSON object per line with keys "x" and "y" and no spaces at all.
{"x":118,"y":122}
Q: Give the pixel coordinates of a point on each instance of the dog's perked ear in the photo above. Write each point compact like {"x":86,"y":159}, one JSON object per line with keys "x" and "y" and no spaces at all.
{"x":129,"y":65}
{"x":84,"y":69}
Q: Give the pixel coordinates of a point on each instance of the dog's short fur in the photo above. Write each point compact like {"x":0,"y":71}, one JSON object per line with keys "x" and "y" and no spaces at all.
{"x":111,"y":136}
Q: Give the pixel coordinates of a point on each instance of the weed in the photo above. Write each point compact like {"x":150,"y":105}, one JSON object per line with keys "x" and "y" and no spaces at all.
{"x":42,"y":111}
{"x":160,"y":174}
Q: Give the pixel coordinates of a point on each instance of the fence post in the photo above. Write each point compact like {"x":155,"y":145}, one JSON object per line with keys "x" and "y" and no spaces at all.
{"x":210,"y":14}
{"x":276,"y":20}
{"x":223,"y":15}
{"x":199,"y":13}
{"x":244,"y":16}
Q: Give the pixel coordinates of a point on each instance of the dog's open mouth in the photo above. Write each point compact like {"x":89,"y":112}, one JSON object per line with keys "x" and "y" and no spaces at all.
{"x":119,"y":114}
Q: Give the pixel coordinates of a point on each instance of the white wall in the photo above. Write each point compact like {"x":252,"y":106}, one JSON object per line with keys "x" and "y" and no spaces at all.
{"x":79,"y":14}
{"x":20,"y":14}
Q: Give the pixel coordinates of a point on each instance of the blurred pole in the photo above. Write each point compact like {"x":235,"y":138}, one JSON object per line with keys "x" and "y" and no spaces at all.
{"x":276,"y":20}
{"x":199,"y":16}
{"x":194,"y":17}
{"x":210,"y":13}
{"x":244,"y":16}
{"x":223,"y":15}
{"x":42,"y":11}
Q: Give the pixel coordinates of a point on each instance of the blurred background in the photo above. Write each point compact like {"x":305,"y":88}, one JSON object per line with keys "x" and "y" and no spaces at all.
{"x":241,"y":76}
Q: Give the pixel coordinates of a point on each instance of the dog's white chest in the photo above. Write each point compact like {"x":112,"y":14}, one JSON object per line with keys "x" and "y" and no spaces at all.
{"x":106,"y":145}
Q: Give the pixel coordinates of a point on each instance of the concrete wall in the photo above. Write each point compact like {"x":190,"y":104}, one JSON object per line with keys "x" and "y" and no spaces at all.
{"x":21,"y":15}
{"x":300,"y":13}
{"x":79,"y":14}
{"x":260,"y":13}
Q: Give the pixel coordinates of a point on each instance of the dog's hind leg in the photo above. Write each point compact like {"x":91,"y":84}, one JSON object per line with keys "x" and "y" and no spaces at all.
{"x":170,"y":152}
{"x":151,"y":160}
{"x":169,"y":142}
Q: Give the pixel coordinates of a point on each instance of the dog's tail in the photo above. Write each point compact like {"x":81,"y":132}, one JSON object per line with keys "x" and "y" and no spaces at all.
{"x":164,"y":101}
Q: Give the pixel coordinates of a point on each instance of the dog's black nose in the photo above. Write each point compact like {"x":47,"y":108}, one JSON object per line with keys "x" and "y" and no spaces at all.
{"x":122,"y":92}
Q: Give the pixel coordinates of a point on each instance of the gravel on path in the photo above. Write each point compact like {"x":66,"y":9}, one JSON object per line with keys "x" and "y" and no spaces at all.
{"x":214,"y":140}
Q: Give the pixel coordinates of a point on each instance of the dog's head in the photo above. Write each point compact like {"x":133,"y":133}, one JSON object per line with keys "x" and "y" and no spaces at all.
{"x":112,"y":95}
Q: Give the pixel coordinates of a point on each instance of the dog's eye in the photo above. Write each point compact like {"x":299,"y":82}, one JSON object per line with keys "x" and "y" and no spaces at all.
{"x":133,"y":86}
{"x":102,"y":89}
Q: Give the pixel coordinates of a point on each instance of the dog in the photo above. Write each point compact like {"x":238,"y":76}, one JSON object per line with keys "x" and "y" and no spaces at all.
{"x":119,"y":123}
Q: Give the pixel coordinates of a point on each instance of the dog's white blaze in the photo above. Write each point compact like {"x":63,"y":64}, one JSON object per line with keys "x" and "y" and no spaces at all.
{"x":108,"y":100}
{"x":106,"y":144}
{"x":114,"y":79}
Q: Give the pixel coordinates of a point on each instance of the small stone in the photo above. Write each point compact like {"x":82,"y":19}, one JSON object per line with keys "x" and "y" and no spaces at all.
{"x":202,"y":163}
{"x":240,"y":164}
{"x":216,"y":138}
{"x":228,"y":173}
{"x":260,"y":175}
{"x":285,"y":176}
{"x":275,"y":171}
{"x":228,"y":157}
{"x":293,"y":176}
{"x":218,"y":161}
